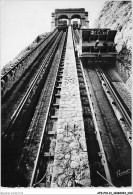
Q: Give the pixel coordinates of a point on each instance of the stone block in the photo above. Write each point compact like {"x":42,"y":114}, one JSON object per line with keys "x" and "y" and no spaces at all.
{"x":74,"y":145}
{"x":59,"y":170}
{"x":74,"y":164}
{"x":59,"y":156}
{"x":69,"y":154}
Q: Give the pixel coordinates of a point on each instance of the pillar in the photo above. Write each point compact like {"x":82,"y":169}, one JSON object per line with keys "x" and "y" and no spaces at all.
{"x":81,"y":21}
{"x":69,"y":21}
{"x":53,"y":21}
{"x":86,"y":20}
{"x":56,"y":22}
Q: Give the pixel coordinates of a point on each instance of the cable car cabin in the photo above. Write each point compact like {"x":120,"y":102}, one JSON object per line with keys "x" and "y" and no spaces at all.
{"x":76,"y":25}
{"x":98,"y":45}
{"x":62,"y":24}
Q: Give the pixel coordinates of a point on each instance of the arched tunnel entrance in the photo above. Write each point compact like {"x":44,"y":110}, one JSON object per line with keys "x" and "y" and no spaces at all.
{"x":78,"y":14}
{"x":76,"y":18}
{"x":69,"y":19}
{"x":63,"y":18}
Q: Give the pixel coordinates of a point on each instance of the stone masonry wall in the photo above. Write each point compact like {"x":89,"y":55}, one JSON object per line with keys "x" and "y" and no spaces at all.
{"x":71,"y":166}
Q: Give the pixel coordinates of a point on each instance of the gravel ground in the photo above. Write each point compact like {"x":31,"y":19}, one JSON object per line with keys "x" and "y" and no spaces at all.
{"x":121,"y":87}
{"x":114,"y":75}
{"x":124,"y":93}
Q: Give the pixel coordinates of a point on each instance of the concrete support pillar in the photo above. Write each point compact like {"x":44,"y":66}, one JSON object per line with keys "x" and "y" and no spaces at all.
{"x":56,"y":22}
{"x":83,"y":21}
{"x":53,"y":21}
{"x":86,"y":20}
{"x":87,"y":24}
{"x":80,"y":41}
{"x":69,"y":21}
{"x":70,"y":158}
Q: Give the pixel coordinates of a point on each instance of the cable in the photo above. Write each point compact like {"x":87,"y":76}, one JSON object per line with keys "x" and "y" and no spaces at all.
{"x":39,"y":180}
{"x":105,"y":179}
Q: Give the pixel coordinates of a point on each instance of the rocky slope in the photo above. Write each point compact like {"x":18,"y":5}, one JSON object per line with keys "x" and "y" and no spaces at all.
{"x":24,"y":52}
{"x":118,"y":15}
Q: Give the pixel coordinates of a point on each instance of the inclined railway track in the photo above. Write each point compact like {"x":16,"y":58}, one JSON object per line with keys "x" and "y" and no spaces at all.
{"x":95,"y":158}
{"x":11,"y":101}
{"x":116,"y":146}
{"x":15,"y":74}
{"x":33,"y":84}
{"x":41,"y":176}
{"x":31,"y":130}
{"x":17,"y":128}
{"x":122,"y":106}
{"x":114,"y":142}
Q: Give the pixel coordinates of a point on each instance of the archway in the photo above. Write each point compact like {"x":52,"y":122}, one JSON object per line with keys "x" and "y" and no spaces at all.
{"x":69,"y":14}
{"x":63,"y":17}
{"x":76,"y":18}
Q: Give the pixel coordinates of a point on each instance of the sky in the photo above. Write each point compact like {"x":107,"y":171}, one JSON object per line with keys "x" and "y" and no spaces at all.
{"x":23,"y":20}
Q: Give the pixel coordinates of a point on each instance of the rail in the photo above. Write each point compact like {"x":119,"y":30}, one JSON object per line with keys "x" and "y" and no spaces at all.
{"x":45,"y":122}
{"x":121,"y":105}
{"x":26,"y":96}
{"x":28,"y":54}
{"x":13,"y":74}
{"x":104,"y":160}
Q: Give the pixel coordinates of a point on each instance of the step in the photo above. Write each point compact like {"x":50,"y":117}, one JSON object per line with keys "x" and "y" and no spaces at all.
{"x":48,"y":154}
{"x":51,"y":132}
{"x":57,"y":95}
{"x":54,"y":117}
{"x":55,"y":105}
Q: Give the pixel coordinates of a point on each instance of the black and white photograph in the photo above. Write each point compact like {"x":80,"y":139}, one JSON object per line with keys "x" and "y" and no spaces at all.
{"x":66,"y":97}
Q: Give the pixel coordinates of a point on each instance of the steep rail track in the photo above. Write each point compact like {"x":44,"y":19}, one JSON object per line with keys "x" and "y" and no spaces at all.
{"x":95,"y":152}
{"x":31,"y":89}
{"x":122,"y":106}
{"x":16,"y":129}
{"x":112,"y":138}
{"x":14,"y":75}
{"x":14,"y":96}
{"x":117,"y":148}
{"x":29,"y":130}
{"x":42,"y":172}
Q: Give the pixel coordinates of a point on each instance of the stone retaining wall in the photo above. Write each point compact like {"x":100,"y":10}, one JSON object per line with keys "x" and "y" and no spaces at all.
{"x":71,"y":166}
{"x":124,"y":71}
